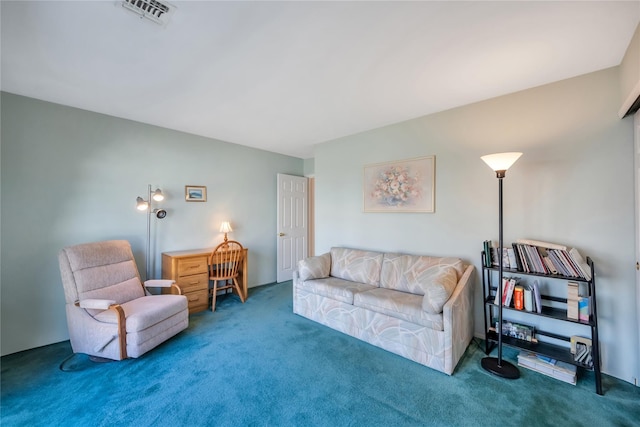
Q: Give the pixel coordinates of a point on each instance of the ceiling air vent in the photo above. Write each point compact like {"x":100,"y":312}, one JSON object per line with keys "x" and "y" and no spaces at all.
{"x":153,"y":10}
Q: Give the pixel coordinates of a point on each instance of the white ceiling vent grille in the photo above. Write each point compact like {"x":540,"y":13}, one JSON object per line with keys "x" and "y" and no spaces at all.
{"x":158,"y":12}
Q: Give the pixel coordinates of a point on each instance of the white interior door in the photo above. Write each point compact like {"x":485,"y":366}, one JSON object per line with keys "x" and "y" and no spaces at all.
{"x":293,"y":225}
{"x":636,"y":121}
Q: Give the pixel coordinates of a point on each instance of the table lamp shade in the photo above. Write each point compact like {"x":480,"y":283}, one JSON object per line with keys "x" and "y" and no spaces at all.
{"x":225,"y":227}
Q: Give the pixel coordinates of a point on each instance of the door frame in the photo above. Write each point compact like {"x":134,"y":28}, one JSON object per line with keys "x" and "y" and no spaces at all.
{"x":636,"y":133}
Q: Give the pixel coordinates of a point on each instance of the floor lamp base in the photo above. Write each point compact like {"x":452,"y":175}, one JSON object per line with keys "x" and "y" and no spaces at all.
{"x":503,"y":369}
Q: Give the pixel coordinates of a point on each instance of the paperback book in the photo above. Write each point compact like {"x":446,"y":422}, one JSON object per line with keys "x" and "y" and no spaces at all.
{"x":534,"y":256}
{"x":508,"y":286}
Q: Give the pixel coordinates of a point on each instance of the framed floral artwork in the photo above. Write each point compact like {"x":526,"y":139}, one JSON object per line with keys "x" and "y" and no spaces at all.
{"x":195,"y":193}
{"x":400,"y":186}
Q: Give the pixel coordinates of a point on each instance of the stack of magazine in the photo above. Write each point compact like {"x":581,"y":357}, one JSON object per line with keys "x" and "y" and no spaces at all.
{"x":547,"y":366}
{"x":534,"y":256}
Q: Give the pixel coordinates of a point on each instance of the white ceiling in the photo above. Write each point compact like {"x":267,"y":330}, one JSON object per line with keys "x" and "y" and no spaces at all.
{"x":283,"y":76}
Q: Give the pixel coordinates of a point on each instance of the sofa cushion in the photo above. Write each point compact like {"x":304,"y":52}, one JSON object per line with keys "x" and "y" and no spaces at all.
{"x":356,"y":265}
{"x":414,"y":273}
{"x":334,"y":288}
{"x":401,"y":305}
{"x":315,"y":267}
{"x":438,"y":290}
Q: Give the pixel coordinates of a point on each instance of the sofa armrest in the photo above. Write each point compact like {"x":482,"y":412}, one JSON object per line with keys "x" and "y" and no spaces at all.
{"x":457,"y":315}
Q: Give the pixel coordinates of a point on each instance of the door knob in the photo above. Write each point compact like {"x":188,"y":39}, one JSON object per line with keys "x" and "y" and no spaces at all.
{"x":280,"y":234}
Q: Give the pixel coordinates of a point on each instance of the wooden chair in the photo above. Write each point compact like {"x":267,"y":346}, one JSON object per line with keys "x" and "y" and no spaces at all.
{"x":224,"y":263}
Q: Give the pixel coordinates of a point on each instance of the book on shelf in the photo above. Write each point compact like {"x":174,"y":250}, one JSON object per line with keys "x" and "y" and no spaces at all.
{"x":505,"y":259}
{"x":582,"y":264}
{"x":556,"y":369}
{"x":528,"y":299}
{"x":558,"y":263}
{"x":513,"y":262}
{"x":486,"y":246}
{"x":517,"y":256}
{"x":549,"y":264}
{"x":537,"y":298}
{"x":518,"y":297}
{"x":573,"y":298}
{"x":505,"y":290}
{"x":494,"y":257}
{"x":573,"y":291}
{"x":511,"y":284}
{"x":506,"y":262}
{"x":534,"y":256}
{"x":508,"y":286}
{"x":584,"y":309}
{"x":572,"y":310}
{"x":541,"y":244}
{"x":569,"y":264}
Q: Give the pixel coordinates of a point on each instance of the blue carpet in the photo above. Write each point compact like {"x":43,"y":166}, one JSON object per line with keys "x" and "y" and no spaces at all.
{"x":258,"y":364}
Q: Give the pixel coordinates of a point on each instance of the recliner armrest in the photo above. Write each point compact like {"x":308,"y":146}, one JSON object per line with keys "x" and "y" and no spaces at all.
{"x":159,"y":283}
{"x":96,"y":304}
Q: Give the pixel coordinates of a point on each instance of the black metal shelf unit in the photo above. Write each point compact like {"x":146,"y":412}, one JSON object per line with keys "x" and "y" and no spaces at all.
{"x":557,"y":352}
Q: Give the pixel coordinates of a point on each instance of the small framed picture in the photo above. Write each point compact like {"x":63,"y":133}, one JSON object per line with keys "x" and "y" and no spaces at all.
{"x":195,"y":193}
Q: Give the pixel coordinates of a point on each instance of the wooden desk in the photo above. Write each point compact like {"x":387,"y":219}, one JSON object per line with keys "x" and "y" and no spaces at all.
{"x":190,"y":271}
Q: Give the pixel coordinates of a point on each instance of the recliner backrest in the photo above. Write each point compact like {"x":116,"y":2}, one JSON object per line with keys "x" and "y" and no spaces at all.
{"x":103,"y":270}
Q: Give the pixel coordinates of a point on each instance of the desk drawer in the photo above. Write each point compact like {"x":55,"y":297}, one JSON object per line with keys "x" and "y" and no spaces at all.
{"x":197,"y":282}
{"x":198,"y":301}
{"x":195,"y":265}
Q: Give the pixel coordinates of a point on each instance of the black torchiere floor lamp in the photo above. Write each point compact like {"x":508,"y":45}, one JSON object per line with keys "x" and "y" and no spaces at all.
{"x":500,"y":163}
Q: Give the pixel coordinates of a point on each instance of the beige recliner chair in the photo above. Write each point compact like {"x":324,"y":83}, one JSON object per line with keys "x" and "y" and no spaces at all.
{"x":109,"y":313}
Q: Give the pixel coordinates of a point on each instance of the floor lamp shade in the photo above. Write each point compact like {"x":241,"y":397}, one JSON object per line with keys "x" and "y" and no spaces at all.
{"x":500,"y":163}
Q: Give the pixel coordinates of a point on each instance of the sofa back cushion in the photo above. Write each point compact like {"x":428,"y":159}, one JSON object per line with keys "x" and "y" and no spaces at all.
{"x":412,"y":273}
{"x":356,"y":265}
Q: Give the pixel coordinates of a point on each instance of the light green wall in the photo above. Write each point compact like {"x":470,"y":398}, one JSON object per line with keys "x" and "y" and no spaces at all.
{"x":573,"y":185}
{"x":309,"y":168}
{"x":630,"y":71}
{"x":72,"y":176}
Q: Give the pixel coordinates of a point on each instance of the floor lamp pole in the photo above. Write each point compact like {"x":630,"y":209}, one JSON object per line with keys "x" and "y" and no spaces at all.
{"x":500,"y":268}
{"x":497,"y":366}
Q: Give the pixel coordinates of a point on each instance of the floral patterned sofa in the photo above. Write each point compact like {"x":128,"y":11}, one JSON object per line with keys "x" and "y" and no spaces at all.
{"x":419,"y":307}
